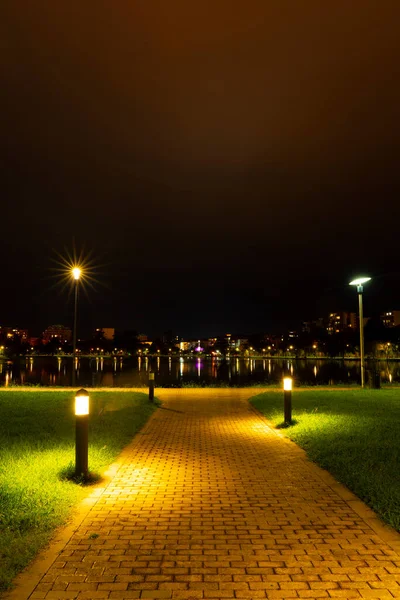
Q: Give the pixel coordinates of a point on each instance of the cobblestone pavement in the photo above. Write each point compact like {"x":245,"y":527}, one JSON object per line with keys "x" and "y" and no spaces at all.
{"x":211,"y":503}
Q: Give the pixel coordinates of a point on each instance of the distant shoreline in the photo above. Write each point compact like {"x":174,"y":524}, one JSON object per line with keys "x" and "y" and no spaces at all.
{"x":205,"y":356}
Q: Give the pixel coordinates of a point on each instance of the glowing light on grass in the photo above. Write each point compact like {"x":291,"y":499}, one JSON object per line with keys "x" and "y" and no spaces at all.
{"x":287,"y":384}
{"x":287,"y":399}
{"x":81,"y":433}
{"x":82,"y":403}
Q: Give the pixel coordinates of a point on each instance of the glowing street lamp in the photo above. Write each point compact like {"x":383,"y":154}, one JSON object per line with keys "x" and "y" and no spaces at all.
{"x":76,"y":273}
{"x":81,"y":433}
{"x":359,"y":283}
{"x":287,"y":399}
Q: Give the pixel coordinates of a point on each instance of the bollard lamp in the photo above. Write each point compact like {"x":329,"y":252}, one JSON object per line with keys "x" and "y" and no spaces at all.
{"x":287,"y":384}
{"x":287,"y":399}
{"x":81,"y":433}
{"x":82,"y":403}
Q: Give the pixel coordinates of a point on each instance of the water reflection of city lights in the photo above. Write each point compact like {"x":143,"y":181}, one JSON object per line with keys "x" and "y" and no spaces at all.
{"x":197,"y":367}
{"x":214,"y":369}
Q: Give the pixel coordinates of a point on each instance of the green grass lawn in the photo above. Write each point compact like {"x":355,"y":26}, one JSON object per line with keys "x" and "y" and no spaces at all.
{"x":37,"y":437}
{"x":354,"y":434}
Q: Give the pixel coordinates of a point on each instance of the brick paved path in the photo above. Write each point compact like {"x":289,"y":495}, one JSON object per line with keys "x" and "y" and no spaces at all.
{"x":210,"y":503}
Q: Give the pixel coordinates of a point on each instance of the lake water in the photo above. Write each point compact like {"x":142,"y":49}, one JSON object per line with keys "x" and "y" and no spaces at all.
{"x":126,"y":372}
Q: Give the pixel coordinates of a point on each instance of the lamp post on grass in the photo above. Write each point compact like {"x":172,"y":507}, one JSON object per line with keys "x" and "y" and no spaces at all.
{"x":287,"y":399}
{"x":76,"y":274}
{"x":151,"y":386}
{"x":81,"y":433}
{"x":359,"y":283}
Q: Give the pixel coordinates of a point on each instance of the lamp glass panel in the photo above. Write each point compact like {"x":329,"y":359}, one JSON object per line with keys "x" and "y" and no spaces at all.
{"x":81,"y":405}
{"x":287,"y":384}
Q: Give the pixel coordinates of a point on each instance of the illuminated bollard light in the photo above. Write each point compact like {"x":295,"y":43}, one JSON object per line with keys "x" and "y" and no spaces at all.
{"x":81,"y":433}
{"x":287,"y":399}
{"x":151,"y":387}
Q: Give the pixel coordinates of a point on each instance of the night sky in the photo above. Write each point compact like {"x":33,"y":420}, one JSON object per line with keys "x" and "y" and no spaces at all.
{"x":228,"y":166}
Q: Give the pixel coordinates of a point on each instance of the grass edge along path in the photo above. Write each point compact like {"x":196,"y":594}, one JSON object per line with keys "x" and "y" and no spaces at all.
{"x":353,"y":434}
{"x":37,"y":453}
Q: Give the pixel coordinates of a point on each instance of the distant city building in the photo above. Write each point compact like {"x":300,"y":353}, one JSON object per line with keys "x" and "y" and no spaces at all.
{"x":194,"y":345}
{"x":11,"y":332}
{"x":238,"y":343}
{"x":340,"y":321}
{"x":57,"y":332}
{"x":142,"y":337}
{"x":108,"y":332}
{"x":391,"y":318}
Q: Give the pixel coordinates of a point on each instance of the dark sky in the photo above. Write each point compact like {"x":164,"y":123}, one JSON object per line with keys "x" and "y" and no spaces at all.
{"x":229,"y":165}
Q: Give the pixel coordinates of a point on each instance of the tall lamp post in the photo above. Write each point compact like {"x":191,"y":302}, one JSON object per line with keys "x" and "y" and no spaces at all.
{"x":76,"y":274}
{"x":359,"y":283}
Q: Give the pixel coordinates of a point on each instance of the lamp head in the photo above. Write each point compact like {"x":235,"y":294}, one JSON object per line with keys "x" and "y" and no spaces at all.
{"x":76,"y":273}
{"x":287,"y":384}
{"x":82,"y":403}
{"x":360,"y":280}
